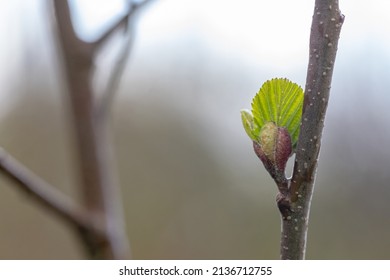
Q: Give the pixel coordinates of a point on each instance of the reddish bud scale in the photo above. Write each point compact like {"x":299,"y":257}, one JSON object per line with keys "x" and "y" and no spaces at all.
{"x":283,"y":148}
{"x":264,"y":159}
{"x":274,"y":149}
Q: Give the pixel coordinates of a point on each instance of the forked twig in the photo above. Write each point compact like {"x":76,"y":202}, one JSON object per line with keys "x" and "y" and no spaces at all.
{"x":105,"y":102}
{"x":100,"y":220}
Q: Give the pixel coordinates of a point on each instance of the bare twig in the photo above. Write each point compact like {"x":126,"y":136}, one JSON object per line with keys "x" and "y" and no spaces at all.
{"x":121,"y":23}
{"x":108,"y":96}
{"x":325,"y":31}
{"x":105,"y":102}
{"x":45,"y":194}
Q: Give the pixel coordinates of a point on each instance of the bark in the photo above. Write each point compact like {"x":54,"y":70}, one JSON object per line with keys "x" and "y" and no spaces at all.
{"x":324,"y":37}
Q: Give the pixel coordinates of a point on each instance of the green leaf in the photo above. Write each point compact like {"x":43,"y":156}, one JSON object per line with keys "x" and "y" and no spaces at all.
{"x":249,"y":124}
{"x":279,"y":101}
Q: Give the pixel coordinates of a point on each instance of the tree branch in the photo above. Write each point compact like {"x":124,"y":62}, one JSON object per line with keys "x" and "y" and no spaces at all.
{"x":325,"y":31}
{"x":45,"y":194}
{"x":100,"y":191}
{"x":101,"y":223}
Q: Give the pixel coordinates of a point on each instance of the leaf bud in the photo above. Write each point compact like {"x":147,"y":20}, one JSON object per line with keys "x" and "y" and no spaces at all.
{"x":273,"y":148}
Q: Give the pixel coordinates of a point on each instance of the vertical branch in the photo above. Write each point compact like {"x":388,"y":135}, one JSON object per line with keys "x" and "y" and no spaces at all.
{"x":325,"y":31}
{"x":99,"y":189}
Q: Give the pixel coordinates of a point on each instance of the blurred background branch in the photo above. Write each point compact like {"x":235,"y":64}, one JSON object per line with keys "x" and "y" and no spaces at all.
{"x":101,"y":224}
{"x":107,"y":98}
{"x":100,"y":189}
{"x":45,"y":194}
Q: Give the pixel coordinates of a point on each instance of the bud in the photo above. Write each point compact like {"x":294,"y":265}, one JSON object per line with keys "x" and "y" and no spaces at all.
{"x":273,"y":148}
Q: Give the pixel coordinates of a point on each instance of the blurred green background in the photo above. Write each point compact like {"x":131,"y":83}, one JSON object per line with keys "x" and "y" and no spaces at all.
{"x":192,"y":186}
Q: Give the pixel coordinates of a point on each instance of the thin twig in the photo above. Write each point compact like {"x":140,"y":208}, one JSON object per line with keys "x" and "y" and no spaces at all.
{"x":45,"y":194}
{"x":105,"y":102}
{"x":121,"y":23}
{"x":325,"y":32}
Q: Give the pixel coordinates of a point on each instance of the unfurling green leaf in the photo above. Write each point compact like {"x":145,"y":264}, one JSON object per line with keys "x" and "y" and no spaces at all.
{"x":274,"y":123}
{"x":279,"y":101}
{"x":249,"y":124}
